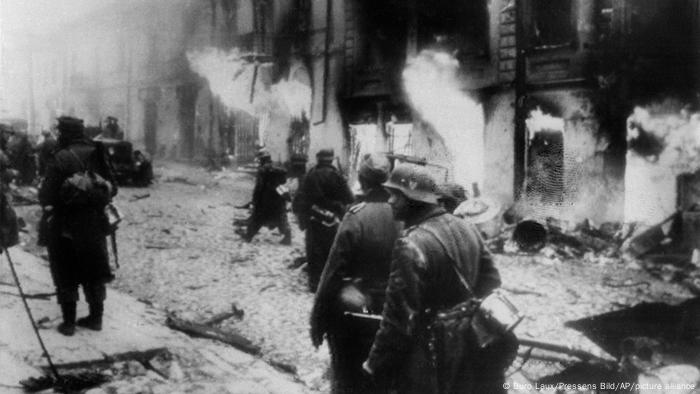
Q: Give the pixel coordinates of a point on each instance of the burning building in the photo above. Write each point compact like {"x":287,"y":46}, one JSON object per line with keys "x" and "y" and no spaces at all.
{"x":529,"y":99}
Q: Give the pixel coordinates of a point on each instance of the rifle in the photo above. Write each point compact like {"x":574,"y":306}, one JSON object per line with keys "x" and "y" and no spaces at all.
{"x":114,"y":217}
{"x":342,"y":170}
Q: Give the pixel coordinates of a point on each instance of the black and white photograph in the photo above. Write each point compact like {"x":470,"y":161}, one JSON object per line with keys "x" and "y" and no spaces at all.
{"x":350,"y":196}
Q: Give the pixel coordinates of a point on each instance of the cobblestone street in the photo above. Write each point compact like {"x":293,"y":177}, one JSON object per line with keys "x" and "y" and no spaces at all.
{"x":178,"y":252}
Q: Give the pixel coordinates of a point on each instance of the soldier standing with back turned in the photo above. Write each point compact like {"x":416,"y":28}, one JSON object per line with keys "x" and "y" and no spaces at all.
{"x":320,"y":203}
{"x":354,"y":280}
{"x":76,"y":233}
{"x":423,"y":279}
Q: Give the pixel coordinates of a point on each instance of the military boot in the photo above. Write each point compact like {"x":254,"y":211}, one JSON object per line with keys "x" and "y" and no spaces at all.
{"x":67,"y":328}
{"x":93,"y":321}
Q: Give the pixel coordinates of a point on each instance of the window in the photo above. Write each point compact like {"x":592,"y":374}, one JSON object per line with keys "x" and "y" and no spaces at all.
{"x":552,"y":23}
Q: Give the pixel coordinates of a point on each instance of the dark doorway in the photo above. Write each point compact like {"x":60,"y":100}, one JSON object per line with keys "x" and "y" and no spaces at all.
{"x":246,"y":137}
{"x":545,"y":167}
{"x":150,"y":125}
{"x":187,"y":95}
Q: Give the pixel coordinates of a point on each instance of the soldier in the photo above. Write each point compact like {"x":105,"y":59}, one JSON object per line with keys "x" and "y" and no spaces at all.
{"x":354,"y":280}
{"x":76,"y":233}
{"x":45,"y":150}
{"x":21,"y":154}
{"x":9,"y":229}
{"x":112,"y":129}
{"x":320,"y":203}
{"x":269,"y":200}
{"x":451,"y":195}
{"x":423,"y":279}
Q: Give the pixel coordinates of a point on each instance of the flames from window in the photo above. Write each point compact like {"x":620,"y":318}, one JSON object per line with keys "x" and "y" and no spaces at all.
{"x":242,"y":83}
{"x":432,"y":83}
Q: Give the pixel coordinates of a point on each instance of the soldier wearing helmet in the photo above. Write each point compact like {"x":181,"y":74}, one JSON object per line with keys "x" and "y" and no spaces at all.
{"x":354,"y":280}
{"x":320,"y":204}
{"x":269,"y":200}
{"x":423,"y":279}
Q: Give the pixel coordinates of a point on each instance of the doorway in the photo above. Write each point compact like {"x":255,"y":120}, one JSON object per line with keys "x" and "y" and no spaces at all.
{"x":150,"y":126}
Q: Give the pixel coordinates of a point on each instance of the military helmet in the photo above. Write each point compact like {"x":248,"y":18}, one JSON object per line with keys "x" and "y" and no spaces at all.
{"x":69,"y":125}
{"x":325,"y":155}
{"x":263,"y":154}
{"x":415,"y":182}
{"x":374,"y":169}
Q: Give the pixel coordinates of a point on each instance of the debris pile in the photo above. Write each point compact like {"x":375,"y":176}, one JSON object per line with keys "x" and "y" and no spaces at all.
{"x":670,"y":250}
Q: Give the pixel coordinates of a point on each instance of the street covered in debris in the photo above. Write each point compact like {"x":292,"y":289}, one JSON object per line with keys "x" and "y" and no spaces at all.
{"x":290,"y":196}
{"x":179,"y":254}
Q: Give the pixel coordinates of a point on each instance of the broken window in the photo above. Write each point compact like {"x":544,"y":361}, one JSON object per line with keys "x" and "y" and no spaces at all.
{"x":459,"y":27}
{"x":604,"y":20}
{"x":552,"y":23}
{"x":545,"y":158}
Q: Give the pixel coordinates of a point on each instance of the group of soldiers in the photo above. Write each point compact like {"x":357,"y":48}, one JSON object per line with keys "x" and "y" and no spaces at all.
{"x":26,"y":156}
{"x":378,"y":264}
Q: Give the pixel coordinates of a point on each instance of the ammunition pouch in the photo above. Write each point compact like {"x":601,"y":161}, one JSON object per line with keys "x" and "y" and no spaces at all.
{"x":478,"y":329}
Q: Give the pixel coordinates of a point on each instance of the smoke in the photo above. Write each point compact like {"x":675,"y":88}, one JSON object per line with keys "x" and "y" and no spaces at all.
{"x":294,"y":96}
{"x":432,"y":83}
{"x":670,"y":138}
{"x":241,"y":83}
{"x":663,"y":142}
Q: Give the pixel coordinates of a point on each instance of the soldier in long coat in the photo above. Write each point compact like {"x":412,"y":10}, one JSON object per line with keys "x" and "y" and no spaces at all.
{"x":76,"y":234}
{"x":423,"y":279}
{"x":320,"y":204}
{"x":354,"y":280}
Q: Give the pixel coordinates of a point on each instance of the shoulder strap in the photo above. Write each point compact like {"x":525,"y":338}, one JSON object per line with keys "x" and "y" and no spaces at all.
{"x":461,"y":277}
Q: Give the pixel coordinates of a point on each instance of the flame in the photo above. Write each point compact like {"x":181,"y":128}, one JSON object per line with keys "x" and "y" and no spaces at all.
{"x":432,"y":82}
{"x":539,"y":121}
{"x":230,"y":78}
{"x":234,"y":80}
{"x":295,"y":96}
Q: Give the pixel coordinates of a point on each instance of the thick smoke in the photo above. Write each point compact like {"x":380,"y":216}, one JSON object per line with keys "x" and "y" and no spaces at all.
{"x":669,"y":138}
{"x":663,"y":142}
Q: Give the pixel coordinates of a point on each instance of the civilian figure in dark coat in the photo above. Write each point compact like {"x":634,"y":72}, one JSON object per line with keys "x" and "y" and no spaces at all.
{"x":354,"y":280}
{"x":320,"y":204}
{"x":76,"y":234}
{"x":423,"y":279}
{"x":269,"y":200}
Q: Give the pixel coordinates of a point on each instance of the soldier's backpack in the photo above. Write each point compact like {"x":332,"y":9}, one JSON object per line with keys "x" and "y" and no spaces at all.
{"x":85,"y":188}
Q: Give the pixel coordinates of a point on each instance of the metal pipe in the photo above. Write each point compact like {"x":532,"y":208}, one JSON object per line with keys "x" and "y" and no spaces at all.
{"x":31,"y":318}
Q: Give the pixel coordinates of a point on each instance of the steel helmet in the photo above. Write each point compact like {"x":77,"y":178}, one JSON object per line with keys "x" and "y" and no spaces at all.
{"x":263,"y":154}
{"x":374,"y":169}
{"x":415,"y":182}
